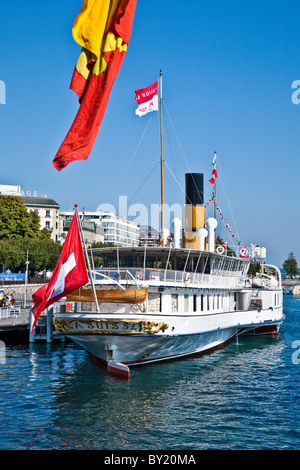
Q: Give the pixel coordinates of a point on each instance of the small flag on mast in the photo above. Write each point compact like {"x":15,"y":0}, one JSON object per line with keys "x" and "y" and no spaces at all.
{"x":147,"y":99}
{"x":214,"y":171}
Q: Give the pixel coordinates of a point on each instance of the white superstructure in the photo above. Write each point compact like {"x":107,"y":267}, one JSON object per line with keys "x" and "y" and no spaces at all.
{"x":195,"y":301}
{"x":157,"y":303}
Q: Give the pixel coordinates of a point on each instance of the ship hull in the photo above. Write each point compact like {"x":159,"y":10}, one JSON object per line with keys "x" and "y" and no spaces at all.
{"x":140,"y":339}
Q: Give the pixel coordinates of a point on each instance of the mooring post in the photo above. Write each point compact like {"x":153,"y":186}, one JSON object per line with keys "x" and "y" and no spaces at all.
{"x":31,"y":334}
{"x":49,"y":324}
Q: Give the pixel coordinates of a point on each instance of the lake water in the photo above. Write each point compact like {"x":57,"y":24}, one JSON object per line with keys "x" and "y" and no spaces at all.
{"x":243,"y":396}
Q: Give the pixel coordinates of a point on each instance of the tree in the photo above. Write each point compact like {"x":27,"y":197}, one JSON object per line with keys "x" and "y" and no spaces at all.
{"x":11,"y":256}
{"x":20,"y":231}
{"x":220,"y":241}
{"x":290,"y":265}
{"x":42,"y":253}
{"x":16,"y":222}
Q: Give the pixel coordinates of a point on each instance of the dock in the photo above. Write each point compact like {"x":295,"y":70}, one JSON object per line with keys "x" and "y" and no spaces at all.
{"x":16,"y":321}
{"x":291,"y":285}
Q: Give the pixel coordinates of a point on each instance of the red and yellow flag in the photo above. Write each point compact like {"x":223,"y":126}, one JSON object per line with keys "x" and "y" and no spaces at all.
{"x":103,"y":29}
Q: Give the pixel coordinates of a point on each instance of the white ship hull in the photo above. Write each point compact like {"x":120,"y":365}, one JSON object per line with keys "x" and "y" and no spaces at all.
{"x":173,"y":313}
{"x":134,"y":340}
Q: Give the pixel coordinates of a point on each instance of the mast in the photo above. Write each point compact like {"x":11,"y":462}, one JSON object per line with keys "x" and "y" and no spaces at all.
{"x":215,"y":191}
{"x":161,"y":165}
{"x":215,"y":201}
{"x":87,"y":259}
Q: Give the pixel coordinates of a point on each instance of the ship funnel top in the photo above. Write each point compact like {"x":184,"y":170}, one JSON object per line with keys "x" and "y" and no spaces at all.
{"x":194,"y":189}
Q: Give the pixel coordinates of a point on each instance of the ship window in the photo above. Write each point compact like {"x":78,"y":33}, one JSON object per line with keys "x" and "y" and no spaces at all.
{"x":174,"y":302}
{"x":195,"y":303}
{"x":186,"y":302}
{"x":201,"y":303}
{"x":154,"y":302}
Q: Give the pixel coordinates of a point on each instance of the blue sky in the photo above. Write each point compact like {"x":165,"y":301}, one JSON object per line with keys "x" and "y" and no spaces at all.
{"x":228,"y":68}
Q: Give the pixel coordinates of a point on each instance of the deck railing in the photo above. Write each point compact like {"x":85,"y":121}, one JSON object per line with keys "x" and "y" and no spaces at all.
{"x":140,"y":276}
{"x":9,"y":312}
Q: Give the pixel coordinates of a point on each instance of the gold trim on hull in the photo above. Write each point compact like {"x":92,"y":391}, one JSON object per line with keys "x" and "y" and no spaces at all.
{"x":104,"y":326}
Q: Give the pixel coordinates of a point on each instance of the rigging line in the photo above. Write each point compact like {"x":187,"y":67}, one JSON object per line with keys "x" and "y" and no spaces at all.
{"x":172,"y":155}
{"x":146,"y":179}
{"x":140,"y":141}
{"x":182,"y":151}
{"x":178,"y":182}
{"x":176,"y":198}
{"x":170,"y":146}
{"x":227,"y":197}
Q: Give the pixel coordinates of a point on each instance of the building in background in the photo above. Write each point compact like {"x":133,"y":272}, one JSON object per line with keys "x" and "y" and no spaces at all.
{"x":117,"y":230}
{"x":98,"y":226}
{"x":149,"y":236}
{"x":92,"y":232}
{"x":48,"y":211}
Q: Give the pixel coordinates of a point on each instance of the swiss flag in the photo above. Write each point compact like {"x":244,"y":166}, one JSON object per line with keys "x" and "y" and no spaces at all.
{"x":69,"y":274}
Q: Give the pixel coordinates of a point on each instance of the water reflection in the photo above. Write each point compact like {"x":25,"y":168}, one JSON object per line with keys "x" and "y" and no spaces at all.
{"x":245,"y":395}
{"x":166,"y":404}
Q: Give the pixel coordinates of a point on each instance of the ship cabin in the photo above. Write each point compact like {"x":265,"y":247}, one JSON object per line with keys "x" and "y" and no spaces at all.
{"x":180,"y":276}
{"x":168,"y":263}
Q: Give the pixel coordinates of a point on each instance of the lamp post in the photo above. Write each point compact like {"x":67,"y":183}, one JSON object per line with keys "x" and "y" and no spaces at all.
{"x":26,"y":279}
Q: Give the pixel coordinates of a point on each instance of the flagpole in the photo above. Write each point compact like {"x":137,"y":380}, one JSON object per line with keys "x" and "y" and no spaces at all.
{"x":87,"y":259}
{"x":161,"y":164}
{"x":215,"y":203}
{"x":215,"y":191}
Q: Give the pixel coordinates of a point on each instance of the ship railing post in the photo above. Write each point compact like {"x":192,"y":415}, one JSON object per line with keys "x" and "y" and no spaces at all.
{"x":166,"y":267}
{"x":197,"y":266}
{"x":144,"y":276}
{"x":186,"y":262}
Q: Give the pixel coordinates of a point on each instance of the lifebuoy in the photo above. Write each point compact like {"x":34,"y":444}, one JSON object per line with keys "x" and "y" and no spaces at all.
{"x":220,"y":249}
{"x":244,"y":253}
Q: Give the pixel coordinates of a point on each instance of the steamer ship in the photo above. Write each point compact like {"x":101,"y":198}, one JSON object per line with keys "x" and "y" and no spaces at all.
{"x":149,"y":304}
{"x":159,"y":303}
